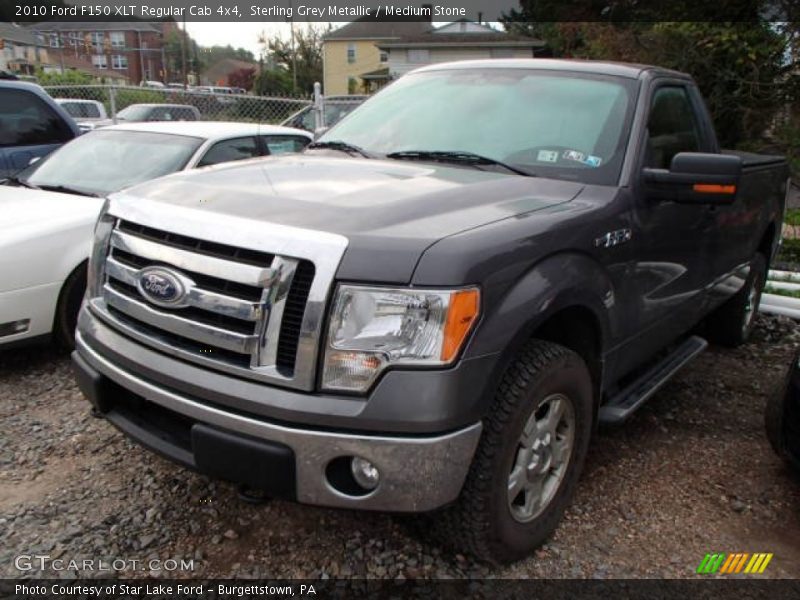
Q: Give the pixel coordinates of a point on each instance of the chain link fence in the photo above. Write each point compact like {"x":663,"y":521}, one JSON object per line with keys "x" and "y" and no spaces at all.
{"x":209,"y":106}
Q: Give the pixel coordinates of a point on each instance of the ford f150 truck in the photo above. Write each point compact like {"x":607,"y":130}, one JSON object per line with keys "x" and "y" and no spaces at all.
{"x":432,"y":307}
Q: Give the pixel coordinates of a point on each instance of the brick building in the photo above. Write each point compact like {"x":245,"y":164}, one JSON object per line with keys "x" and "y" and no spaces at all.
{"x":133,"y":49}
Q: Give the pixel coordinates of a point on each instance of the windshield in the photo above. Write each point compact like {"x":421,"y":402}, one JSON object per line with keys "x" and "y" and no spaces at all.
{"x":101,"y":162}
{"x":134,"y":113}
{"x":567,"y":126}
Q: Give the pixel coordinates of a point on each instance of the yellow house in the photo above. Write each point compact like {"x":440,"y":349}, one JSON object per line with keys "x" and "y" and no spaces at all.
{"x":351,"y":51}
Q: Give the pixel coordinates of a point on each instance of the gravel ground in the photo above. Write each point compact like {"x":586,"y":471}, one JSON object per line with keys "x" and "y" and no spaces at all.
{"x":691,"y":473}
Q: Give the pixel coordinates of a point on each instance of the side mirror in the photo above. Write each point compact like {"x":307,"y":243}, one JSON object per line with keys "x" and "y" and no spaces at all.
{"x":695,"y":178}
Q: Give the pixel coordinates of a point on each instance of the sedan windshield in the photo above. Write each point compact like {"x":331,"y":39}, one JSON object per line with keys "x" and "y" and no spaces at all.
{"x":102,"y":162}
{"x":567,"y":126}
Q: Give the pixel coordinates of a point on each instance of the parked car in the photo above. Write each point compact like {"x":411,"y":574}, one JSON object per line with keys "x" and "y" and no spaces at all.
{"x":140,"y":113}
{"x":433,"y":305}
{"x":783,"y":417}
{"x":335,"y":109}
{"x":31,"y":125}
{"x":47,"y":213}
{"x":87,"y":113}
{"x":156,"y":85}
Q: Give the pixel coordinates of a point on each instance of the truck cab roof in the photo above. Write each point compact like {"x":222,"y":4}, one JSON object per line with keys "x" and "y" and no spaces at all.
{"x":617,"y":69}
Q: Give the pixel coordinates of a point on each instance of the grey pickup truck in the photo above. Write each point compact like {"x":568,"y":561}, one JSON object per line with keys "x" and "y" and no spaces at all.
{"x":432,"y":308}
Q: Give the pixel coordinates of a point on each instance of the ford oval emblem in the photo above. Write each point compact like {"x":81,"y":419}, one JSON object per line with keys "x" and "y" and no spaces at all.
{"x":161,"y":286}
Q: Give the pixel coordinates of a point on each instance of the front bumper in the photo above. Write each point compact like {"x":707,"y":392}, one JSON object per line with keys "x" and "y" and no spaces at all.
{"x":283,"y":460}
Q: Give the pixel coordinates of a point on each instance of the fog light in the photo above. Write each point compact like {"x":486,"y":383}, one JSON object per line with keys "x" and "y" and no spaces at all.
{"x":14,"y":327}
{"x":365,"y":473}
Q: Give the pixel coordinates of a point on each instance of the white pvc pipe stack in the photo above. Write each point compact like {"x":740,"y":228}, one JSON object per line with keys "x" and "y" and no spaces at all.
{"x":791,"y":276}
{"x":775,"y":304}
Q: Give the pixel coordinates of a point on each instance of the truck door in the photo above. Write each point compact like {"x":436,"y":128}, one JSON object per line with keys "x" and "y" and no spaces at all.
{"x":671,"y":264}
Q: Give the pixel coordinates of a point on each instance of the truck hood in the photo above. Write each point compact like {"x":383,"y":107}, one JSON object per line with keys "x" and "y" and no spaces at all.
{"x":390,"y":211}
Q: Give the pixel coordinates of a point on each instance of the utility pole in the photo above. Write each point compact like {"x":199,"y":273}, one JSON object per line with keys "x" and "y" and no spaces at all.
{"x":294,"y":53}
{"x":183,"y":54}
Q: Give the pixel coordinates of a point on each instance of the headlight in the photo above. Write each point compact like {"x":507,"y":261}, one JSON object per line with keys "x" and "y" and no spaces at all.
{"x":97,"y":259}
{"x":374,"y":328}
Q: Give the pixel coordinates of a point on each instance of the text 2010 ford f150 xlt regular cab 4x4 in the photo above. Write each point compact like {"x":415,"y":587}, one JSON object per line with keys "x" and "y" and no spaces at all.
{"x":434,"y":305}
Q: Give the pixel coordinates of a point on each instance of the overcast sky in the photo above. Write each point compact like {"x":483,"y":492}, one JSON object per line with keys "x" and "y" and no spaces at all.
{"x":245,"y":34}
{"x":240,"y":35}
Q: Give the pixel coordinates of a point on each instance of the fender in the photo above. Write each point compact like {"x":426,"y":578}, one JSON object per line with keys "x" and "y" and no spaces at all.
{"x":559,"y":281}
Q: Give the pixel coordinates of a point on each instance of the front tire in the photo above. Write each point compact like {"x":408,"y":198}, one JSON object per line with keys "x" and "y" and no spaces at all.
{"x":528,"y":460}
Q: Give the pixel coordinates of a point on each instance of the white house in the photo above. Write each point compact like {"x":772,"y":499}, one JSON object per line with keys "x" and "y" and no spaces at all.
{"x":461,"y":40}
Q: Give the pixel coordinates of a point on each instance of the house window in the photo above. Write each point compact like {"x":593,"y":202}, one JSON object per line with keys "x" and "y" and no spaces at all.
{"x":384,"y":57}
{"x":97,"y":39}
{"x":75,"y":38}
{"x":100,"y":61}
{"x":117,"y":39}
{"x":418,"y":55}
{"x":119,"y":62}
{"x":55,"y":40}
{"x":351,"y":53}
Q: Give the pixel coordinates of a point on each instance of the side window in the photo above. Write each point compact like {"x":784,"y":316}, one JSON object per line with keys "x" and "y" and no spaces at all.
{"x":184,"y":114}
{"x":229,"y":150}
{"x":159,"y":113}
{"x":307,"y":120}
{"x":26,"y":120}
{"x":671,"y":128}
{"x":282,"y":144}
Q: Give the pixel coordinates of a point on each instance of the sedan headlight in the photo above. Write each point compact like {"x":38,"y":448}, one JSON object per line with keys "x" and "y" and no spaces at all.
{"x":374,"y":328}
{"x":97,"y":259}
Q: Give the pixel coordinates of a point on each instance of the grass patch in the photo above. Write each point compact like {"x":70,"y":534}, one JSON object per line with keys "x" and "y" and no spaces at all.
{"x":792,"y":217}
{"x":768,"y":289}
{"x":789,"y":253}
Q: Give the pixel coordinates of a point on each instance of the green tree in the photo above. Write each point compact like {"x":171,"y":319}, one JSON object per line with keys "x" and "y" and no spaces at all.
{"x":68,"y":77}
{"x":301,"y":61}
{"x":746,"y":70}
{"x":172,"y":52}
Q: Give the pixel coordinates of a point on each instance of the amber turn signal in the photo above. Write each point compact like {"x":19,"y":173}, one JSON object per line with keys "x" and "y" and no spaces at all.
{"x":463,"y":312}
{"x":713,"y":188}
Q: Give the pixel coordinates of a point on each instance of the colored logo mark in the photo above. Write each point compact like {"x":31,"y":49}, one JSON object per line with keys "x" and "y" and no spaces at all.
{"x":738,"y":562}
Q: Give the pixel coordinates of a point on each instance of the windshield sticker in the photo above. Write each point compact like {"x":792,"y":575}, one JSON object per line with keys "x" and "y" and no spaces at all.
{"x":593,"y":161}
{"x":574,"y":155}
{"x":589,"y":161}
{"x":547,"y":156}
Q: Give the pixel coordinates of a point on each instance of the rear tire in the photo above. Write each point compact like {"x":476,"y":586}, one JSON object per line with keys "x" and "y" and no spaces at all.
{"x":529,"y":458}
{"x":732,"y":323}
{"x":69,"y":304}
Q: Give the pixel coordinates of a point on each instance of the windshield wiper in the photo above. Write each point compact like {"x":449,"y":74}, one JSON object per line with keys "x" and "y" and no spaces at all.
{"x":13,"y":180}
{"x":68,"y":190}
{"x":456,"y":156}
{"x":342,"y":147}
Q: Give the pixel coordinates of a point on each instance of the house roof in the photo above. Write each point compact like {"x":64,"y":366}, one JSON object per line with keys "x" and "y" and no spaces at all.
{"x":21,"y":35}
{"x":430,"y":39}
{"x":367,"y":28}
{"x":95,"y":26}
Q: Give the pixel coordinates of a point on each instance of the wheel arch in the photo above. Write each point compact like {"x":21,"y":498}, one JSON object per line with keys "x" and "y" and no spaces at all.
{"x":566,"y":299}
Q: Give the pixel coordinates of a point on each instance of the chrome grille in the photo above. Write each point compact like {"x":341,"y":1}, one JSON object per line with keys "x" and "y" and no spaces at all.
{"x":242,"y":313}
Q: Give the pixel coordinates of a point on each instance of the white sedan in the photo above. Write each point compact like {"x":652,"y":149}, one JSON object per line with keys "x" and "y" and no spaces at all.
{"x":47,"y":212}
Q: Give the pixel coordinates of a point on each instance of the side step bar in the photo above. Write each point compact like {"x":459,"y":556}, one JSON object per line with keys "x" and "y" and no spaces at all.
{"x":629,"y":399}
